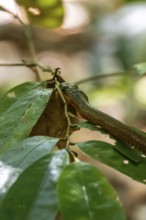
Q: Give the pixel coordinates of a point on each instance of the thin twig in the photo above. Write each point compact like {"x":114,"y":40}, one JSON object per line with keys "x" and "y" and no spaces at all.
{"x":66,"y":114}
{"x":29,"y":38}
{"x":31,"y":64}
{"x":39,"y":65}
{"x":13,"y":14}
{"x":107,"y":75}
{"x":12,"y":64}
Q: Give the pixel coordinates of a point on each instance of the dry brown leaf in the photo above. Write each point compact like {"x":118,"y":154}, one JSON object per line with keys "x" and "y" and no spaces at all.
{"x":53,"y":121}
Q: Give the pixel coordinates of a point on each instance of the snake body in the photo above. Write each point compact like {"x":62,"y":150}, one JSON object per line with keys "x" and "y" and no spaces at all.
{"x":123,"y":132}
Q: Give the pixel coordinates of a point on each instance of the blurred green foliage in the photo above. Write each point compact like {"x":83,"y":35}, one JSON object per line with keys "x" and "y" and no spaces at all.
{"x":46,"y":13}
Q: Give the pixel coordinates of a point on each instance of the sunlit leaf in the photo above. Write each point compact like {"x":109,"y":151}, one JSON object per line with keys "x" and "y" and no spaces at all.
{"x":15,"y":160}
{"x":34,"y":194}
{"x":26,"y":152}
{"x":84,"y":193}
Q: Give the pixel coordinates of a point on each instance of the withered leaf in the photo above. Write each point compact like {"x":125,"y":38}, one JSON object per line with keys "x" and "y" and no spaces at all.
{"x":53,"y":122}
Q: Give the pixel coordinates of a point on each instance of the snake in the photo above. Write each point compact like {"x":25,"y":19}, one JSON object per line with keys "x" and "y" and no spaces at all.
{"x":125,"y":133}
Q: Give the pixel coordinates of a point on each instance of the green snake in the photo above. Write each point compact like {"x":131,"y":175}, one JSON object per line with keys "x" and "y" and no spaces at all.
{"x":123,"y":132}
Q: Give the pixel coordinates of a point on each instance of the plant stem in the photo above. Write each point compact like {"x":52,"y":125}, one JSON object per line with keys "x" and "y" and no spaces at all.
{"x":107,"y":75}
{"x":28,"y":34}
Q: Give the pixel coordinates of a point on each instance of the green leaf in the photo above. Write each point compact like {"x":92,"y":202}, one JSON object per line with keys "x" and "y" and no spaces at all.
{"x":106,"y":153}
{"x":34,"y":194}
{"x":84,"y":193}
{"x":26,"y":152}
{"x":15,"y":160}
{"x":6,"y":100}
{"x":21,"y":115}
{"x":131,"y":153}
{"x":86,"y":124}
{"x":46,"y":13}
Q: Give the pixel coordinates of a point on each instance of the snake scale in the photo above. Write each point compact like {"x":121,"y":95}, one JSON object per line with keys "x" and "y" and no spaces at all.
{"x":123,"y":132}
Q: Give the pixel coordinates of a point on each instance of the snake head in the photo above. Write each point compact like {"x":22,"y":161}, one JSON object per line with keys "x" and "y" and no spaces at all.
{"x":72,"y":92}
{"x":69,"y":90}
{"x":66,"y":87}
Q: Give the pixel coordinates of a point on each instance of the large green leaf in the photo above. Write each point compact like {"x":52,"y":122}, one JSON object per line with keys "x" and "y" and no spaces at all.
{"x":26,"y":152}
{"x":17,"y":121}
{"x":131,"y":153}
{"x":34,"y":194}
{"x":48,"y":13}
{"x":107,"y":154}
{"x":15,"y":160}
{"x":84,"y":193}
{"x":7,"y":99}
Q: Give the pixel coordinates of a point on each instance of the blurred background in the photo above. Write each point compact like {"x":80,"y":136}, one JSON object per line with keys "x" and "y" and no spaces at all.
{"x":97,"y":37}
